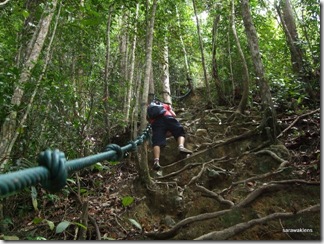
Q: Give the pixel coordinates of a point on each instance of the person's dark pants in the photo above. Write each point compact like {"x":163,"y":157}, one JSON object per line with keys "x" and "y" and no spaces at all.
{"x":161,"y":126}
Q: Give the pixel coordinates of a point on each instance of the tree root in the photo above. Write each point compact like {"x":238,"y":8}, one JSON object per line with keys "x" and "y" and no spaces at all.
{"x":93,"y":221}
{"x":238,"y":228}
{"x":190,"y":165}
{"x":216,"y":196}
{"x":295,"y":121}
{"x":271,"y":186}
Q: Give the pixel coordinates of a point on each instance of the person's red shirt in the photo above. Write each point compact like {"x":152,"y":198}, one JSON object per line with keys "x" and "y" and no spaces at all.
{"x":169,"y":110}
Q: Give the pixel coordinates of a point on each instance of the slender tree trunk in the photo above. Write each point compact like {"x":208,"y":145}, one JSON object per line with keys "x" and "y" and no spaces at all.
{"x":131,"y":71}
{"x":231,"y":67}
{"x":31,"y":101}
{"x":123,"y":50}
{"x":185,"y":55}
{"x":136,"y":111}
{"x":269,"y":113}
{"x":202,"y":54}
{"x":143,"y":164}
{"x":298,"y":59}
{"x":10,"y":123}
{"x":218,"y":83}
{"x":166,"y":74}
{"x":245,"y":94}
{"x":106,"y":76}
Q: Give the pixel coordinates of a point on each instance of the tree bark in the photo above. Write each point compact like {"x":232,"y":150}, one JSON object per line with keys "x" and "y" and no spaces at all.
{"x":39,"y":80}
{"x":245,"y":94}
{"x":166,"y":74}
{"x":143,"y":164}
{"x":185,"y":55}
{"x":10,"y":123}
{"x":300,"y":65}
{"x":131,"y":71}
{"x":218,"y":83}
{"x":269,"y":113}
{"x":202,"y":54}
{"x":106,"y":94}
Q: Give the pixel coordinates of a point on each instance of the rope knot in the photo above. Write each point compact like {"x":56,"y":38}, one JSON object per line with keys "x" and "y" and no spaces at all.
{"x":134,"y":146}
{"x":119,"y":152}
{"x":54,"y":161}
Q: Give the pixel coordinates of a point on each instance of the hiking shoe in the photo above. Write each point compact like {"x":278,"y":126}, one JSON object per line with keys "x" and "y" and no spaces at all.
{"x":156,"y":165}
{"x":185,"y":150}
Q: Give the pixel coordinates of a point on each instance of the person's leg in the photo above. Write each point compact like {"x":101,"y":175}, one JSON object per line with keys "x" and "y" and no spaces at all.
{"x":158,"y":141}
{"x":156,"y":153}
{"x":178,"y":132}
{"x":181,"y":141}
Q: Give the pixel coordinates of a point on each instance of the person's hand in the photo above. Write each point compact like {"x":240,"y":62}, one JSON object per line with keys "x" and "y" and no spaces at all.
{"x":173,"y":113}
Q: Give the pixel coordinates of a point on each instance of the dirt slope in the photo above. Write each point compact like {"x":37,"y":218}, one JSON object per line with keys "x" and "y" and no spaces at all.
{"x":237,"y":186}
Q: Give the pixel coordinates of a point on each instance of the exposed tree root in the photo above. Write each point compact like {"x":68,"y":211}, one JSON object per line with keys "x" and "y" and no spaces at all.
{"x":190,"y":165}
{"x":295,"y":121}
{"x":93,"y":221}
{"x":273,"y":155}
{"x":193,"y":179}
{"x":269,"y":187}
{"x":236,"y":229}
{"x":258,"y":177}
{"x":216,"y":196}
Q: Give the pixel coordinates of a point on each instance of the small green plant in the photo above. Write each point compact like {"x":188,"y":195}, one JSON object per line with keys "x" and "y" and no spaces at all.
{"x":61,"y":227}
{"x":128,"y":200}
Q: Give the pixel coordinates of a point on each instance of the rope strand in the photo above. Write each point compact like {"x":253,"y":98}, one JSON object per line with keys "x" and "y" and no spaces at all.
{"x":53,"y":168}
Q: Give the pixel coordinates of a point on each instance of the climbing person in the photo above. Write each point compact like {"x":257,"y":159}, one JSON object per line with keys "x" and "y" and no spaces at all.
{"x":164,"y":123}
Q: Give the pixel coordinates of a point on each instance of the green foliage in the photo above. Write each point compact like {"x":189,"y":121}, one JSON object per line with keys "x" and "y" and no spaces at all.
{"x":62,"y":226}
{"x":126,"y":201}
{"x":69,"y":110}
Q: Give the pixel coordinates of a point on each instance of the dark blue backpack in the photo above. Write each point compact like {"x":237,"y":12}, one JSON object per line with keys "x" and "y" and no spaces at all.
{"x":155,"y":109}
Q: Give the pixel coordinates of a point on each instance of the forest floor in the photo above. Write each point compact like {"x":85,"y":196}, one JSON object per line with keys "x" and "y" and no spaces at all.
{"x":237,"y":185}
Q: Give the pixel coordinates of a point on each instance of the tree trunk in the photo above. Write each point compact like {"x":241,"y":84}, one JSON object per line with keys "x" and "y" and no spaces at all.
{"x":269,"y":113}
{"x":40,"y":78}
{"x":166,"y":74}
{"x":202,"y":55}
{"x":143,"y":164}
{"x":131,"y":71}
{"x":218,"y":83}
{"x":106,"y":77}
{"x":231,"y":67}
{"x":245,"y":94}
{"x":10,"y":123}
{"x":298,"y":59}
{"x":185,"y":55}
{"x":123,"y":50}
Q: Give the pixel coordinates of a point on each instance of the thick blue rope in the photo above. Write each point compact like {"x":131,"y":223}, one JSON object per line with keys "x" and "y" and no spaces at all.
{"x":53,"y":168}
